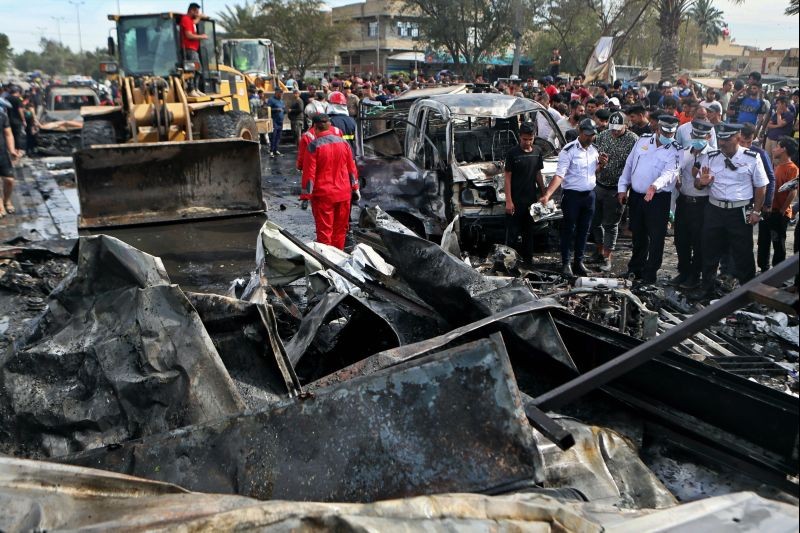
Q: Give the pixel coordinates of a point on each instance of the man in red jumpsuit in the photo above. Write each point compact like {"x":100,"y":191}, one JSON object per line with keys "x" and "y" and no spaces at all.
{"x":306,"y":139}
{"x":330,"y":181}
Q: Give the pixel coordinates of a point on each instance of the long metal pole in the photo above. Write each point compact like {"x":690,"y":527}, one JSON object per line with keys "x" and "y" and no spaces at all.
{"x":78,"y":4}
{"x":58,"y":27}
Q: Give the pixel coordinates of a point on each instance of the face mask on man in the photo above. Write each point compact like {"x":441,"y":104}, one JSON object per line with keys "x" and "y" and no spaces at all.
{"x":665,"y":140}
{"x":698,"y":144}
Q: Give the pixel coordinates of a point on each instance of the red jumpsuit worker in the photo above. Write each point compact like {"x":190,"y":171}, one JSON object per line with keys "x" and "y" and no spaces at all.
{"x":330,"y":182}
{"x":306,"y":139}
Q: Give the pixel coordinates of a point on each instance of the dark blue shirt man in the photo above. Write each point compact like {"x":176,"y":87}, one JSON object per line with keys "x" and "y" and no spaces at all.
{"x":751,"y":106}
{"x":277,"y":111}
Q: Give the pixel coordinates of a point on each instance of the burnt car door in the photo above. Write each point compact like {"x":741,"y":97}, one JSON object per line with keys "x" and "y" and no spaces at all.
{"x":397,"y":168}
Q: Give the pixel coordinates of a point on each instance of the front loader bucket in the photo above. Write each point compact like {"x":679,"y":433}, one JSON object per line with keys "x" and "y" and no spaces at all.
{"x":134,"y":184}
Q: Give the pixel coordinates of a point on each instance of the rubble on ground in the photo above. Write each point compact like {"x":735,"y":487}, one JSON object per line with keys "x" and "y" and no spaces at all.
{"x":404,"y":369}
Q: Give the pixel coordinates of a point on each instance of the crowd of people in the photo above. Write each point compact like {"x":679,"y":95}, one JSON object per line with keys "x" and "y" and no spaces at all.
{"x":710,"y":163}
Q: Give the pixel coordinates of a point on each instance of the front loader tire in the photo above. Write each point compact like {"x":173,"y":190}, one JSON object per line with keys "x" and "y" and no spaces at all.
{"x":233,"y":125}
{"x":96,"y":132}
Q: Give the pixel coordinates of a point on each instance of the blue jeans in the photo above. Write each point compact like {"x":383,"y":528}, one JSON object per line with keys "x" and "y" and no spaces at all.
{"x":578,"y":209}
{"x":275,"y":136}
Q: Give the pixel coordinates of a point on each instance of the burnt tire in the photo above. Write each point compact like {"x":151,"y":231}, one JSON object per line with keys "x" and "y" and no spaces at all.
{"x":96,"y":132}
{"x":233,"y":125}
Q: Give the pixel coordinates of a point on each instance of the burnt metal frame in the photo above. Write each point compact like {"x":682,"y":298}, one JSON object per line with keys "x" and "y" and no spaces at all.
{"x":762,"y":289}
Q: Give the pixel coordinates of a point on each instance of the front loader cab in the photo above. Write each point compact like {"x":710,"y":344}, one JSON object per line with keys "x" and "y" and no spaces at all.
{"x":150,"y":46}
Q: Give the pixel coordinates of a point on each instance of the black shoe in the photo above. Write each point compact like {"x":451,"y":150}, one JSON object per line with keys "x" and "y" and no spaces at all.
{"x":566,"y":270}
{"x":648,"y":280}
{"x":703,"y":292}
{"x":596,"y":258}
{"x":579,"y":268}
{"x":691,"y":282}
{"x":631,"y":275}
{"x":678,"y":280}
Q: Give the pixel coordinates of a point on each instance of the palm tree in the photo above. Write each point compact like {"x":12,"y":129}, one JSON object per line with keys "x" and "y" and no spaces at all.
{"x":238,"y":21}
{"x":709,"y":23}
{"x":670,"y":15}
{"x":794,"y":8}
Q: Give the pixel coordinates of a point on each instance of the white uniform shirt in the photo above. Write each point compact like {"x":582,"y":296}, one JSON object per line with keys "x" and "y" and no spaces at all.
{"x":649,"y":164}
{"x":687,"y":180}
{"x":684,"y":136}
{"x":544,"y":130}
{"x":578,"y":166}
{"x":735,"y":185}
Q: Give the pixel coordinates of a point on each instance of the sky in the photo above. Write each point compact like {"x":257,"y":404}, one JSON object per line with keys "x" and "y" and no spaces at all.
{"x":758,"y":23}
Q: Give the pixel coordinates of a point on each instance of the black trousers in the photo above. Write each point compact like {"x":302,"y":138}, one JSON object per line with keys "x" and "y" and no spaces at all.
{"x":648,"y":224}
{"x":520,"y":226}
{"x":689,"y":218}
{"x":727,"y":230}
{"x":772,"y":234}
{"x":578,"y":209}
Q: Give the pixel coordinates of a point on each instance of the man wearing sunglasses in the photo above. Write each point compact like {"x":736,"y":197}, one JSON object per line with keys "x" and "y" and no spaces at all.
{"x":735,"y":178}
{"x":651,"y":171}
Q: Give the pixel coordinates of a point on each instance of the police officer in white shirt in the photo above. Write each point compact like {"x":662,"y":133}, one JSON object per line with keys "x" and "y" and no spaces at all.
{"x":691,"y":207}
{"x":651,"y":171}
{"x":735,"y":177}
{"x":578,"y":163}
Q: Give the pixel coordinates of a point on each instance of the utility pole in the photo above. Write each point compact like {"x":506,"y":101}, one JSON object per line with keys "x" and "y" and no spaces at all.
{"x":58,"y":27}
{"x":41,"y":31}
{"x":517,"y":32}
{"x":78,"y":4}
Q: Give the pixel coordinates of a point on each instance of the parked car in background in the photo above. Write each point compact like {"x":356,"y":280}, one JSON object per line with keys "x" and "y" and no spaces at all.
{"x":60,"y":121}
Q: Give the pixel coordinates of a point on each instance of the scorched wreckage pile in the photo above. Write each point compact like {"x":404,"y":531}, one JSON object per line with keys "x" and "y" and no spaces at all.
{"x":404,"y":384}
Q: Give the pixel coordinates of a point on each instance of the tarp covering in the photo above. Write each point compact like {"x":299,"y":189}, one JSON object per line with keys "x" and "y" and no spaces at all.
{"x":601,"y":64}
{"x":118,"y":353}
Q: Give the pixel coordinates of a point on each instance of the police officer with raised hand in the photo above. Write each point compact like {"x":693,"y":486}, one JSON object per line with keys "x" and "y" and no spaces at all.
{"x":651,"y":171}
{"x":736,"y":178}
{"x":576,"y":172}
{"x":691,"y":207}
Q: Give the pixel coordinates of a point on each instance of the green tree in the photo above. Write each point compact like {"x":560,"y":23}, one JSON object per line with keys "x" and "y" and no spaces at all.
{"x":304,"y":34}
{"x":5,"y":51}
{"x":55,"y":59}
{"x":469,"y":29}
{"x":709,"y":22}
{"x":575,"y":25}
{"x":239,"y":21}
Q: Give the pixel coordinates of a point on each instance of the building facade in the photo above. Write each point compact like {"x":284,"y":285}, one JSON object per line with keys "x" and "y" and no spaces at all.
{"x":381,"y":37}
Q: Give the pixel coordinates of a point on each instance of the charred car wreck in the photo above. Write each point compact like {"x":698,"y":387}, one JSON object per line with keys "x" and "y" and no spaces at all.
{"x":428,"y":158}
{"x":61,"y":121}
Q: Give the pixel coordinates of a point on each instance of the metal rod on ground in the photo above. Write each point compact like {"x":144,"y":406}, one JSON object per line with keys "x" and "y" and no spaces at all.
{"x":601,"y":375}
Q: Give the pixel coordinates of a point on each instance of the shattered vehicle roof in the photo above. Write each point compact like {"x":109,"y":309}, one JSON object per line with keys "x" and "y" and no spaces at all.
{"x":486,"y":105}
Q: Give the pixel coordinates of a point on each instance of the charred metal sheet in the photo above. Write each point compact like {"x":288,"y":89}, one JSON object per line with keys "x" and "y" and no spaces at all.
{"x":462,"y":295}
{"x":118,"y":353}
{"x":451,"y":421}
{"x":388,"y":325}
{"x":550,"y":429}
{"x":748,"y":426}
{"x":131,"y":184}
{"x":368,"y":286}
{"x":248,"y":347}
